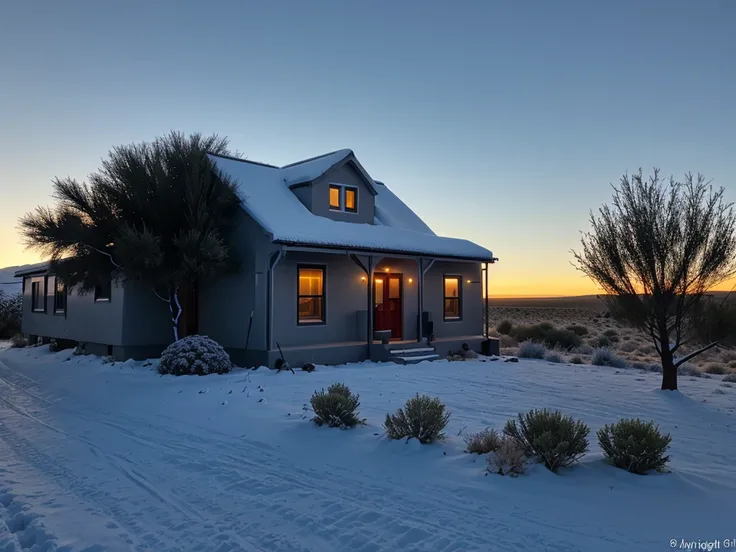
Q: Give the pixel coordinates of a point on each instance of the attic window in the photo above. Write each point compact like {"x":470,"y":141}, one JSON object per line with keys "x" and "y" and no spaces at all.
{"x":343,"y":198}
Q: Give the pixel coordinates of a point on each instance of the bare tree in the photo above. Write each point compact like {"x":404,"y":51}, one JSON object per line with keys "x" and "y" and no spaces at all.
{"x":656,"y":251}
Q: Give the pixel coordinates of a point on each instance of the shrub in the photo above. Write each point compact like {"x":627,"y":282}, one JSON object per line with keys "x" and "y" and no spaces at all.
{"x":196,"y":354}
{"x":628,"y":346}
{"x":553,"y":356}
{"x":18,"y":341}
{"x":687,"y":369}
{"x":732,"y":365}
{"x":562,"y":338}
{"x":728,"y":356}
{"x":11,"y":312}
{"x":508,"y":341}
{"x":423,"y":418}
{"x":576,"y":360}
{"x":532,"y":349}
{"x":610,"y":333}
{"x":504,"y":328}
{"x":577,"y":329}
{"x":634,"y":445}
{"x":483,"y":442}
{"x":606,"y":357}
{"x":600,"y":342}
{"x":552,"y":437}
{"x":583,"y":349}
{"x":546,"y":333}
{"x":508,"y":459}
{"x":715,"y":368}
{"x":730,"y":378}
{"x":336,"y":407}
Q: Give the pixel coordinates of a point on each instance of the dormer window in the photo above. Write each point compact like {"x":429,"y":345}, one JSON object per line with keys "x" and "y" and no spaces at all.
{"x":343,"y":198}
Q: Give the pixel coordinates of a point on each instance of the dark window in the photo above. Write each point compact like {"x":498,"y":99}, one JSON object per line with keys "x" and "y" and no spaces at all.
{"x":452,"y":296}
{"x":335,"y":198}
{"x":351,"y":200}
{"x":311,"y":295}
{"x":59,"y":297}
{"x":103,"y":290}
{"x":38,"y":295}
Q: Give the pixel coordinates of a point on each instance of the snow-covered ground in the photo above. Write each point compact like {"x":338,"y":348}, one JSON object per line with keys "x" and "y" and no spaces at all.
{"x":114,"y":457}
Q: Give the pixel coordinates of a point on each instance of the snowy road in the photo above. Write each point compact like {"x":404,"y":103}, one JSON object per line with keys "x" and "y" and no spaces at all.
{"x":112,"y":457}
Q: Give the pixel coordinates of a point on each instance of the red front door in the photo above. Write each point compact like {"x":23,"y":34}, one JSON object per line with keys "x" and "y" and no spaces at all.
{"x":387,"y":291}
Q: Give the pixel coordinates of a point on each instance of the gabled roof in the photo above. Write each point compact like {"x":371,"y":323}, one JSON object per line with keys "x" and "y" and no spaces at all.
{"x":397,"y":229}
{"x":37,"y":268}
{"x":309,"y":170}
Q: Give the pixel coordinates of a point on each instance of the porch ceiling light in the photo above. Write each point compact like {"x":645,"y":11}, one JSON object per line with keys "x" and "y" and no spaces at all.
{"x":387,"y":269}
{"x":411,"y":280}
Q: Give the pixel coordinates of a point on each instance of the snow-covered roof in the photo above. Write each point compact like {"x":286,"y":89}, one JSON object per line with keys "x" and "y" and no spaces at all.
{"x":32,"y":269}
{"x":397,"y":229}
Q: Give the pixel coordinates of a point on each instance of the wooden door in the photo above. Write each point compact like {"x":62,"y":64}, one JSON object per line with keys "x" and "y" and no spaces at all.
{"x":387,"y":298}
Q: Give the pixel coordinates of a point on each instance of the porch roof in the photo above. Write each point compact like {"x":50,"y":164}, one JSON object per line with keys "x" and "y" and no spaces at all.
{"x":396,"y":228}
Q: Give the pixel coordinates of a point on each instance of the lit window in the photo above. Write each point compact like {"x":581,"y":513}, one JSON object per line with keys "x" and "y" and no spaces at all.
{"x":59,"y":297}
{"x":452,"y":298}
{"x":351,"y":200}
{"x":311,"y":295}
{"x":335,"y":193}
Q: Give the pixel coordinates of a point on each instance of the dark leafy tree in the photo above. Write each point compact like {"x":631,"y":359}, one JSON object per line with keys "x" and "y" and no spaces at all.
{"x":656,"y":252}
{"x":159,"y":212}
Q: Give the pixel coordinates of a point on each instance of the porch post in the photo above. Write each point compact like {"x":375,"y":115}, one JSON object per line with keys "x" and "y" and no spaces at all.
{"x":273,"y":261}
{"x":420,"y":297}
{"x":369,"y":306}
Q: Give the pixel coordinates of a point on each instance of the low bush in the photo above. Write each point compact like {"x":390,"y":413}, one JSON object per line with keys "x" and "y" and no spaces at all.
{"x":550,"y":436}
{"x":532,"y":349}
{"x":600,"y":342}
{"x":728,"y":356}
{"x":606,"y":357}
{"x":715,"y":368}
{"x":504,"y":328}
{"x":554,"y":356}
{"x":610,"y":333}
{"x":196,"y":354}
{"x":508,"y":459}
{"x":730,"y":378}
{"x":508,"y":341}
{"x":423,"y":418}
{"x":634,"y":445}
{"x":577,"y":329}
{"x":18,"y":341}
{"x":546,"y":333}
{"x":732,"y":365}
{"x":11,"y":313}
{"x":564,"y":339}
{"x":483,"y":442}
{"x":576,"y":360}
{"x":686,"y":369}
{"x":628,"y":346}
{"x":336,"y":407}
{"x":583,"y":349}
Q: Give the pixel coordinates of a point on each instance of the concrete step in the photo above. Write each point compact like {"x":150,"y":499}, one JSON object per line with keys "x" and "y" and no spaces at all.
{"x":414,"y":359}
{"x":411,"y":350}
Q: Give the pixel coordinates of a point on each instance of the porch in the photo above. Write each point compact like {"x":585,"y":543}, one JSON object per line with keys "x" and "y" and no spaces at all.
{"x":356,"y":351}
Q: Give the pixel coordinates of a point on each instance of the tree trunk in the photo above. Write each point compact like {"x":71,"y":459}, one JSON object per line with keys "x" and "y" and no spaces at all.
{"x":669,"y":370}
{"x":176,"y":310}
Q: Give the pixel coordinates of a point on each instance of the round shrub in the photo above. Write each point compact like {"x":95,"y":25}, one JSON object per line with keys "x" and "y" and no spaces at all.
{"x":552,"y":437}
{"x":483,"y":442}
{"x":423,"y":418}
{"x":336,"y":407}
{"x":715,"y":368}
{"x":504,"y":328}
{"x":196,"y":354}
{"x":532,"y":349}
{"x":508,"y":459}
{"x":634,"y":445}
{"x":577,"y":329}
{"x":554,"y":356}
{"x":606,"y":357}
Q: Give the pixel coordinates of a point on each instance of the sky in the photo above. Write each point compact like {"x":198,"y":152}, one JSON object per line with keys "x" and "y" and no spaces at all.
{"x":501,"y":122}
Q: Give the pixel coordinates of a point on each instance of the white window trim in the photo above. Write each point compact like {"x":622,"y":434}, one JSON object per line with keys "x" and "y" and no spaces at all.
{"x":342,"y":208}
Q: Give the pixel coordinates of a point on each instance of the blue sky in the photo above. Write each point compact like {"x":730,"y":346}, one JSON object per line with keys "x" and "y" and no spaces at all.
{"x":501,"y":122}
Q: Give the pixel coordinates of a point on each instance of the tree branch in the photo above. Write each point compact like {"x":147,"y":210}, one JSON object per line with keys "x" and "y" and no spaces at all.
{"x":695,"y":353}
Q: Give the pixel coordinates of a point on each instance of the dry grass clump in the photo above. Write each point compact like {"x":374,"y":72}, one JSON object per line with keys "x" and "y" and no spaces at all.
{"x":715,"y":368}
{"x":483,"y":442}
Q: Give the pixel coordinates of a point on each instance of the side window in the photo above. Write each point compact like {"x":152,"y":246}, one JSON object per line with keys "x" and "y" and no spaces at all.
{"x":103,"y":290}
{"x":38,"y":295}
{"x":59,"y":297}
{"x":310,"y":295}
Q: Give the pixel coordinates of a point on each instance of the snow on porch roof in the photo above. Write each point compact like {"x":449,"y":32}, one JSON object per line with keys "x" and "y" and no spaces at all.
{"x":397,"y":229}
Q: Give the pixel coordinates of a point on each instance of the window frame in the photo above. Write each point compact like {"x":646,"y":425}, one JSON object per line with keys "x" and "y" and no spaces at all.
{"x":103,"y":299}
{"x":459,"y":298}
{"x":41,"y":297}
{"x":343,"y":188}
{"x":60,"y":293}
{"x":323,"y":296}
{"x":339,"y":207}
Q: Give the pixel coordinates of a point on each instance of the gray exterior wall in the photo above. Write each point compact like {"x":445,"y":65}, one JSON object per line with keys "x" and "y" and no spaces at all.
{"x":85,"y":319}
{"x":346,"y":298}
{"x":344,"y":174}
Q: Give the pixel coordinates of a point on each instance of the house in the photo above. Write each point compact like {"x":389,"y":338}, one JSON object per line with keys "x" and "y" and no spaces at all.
{"x":332,"y":260}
